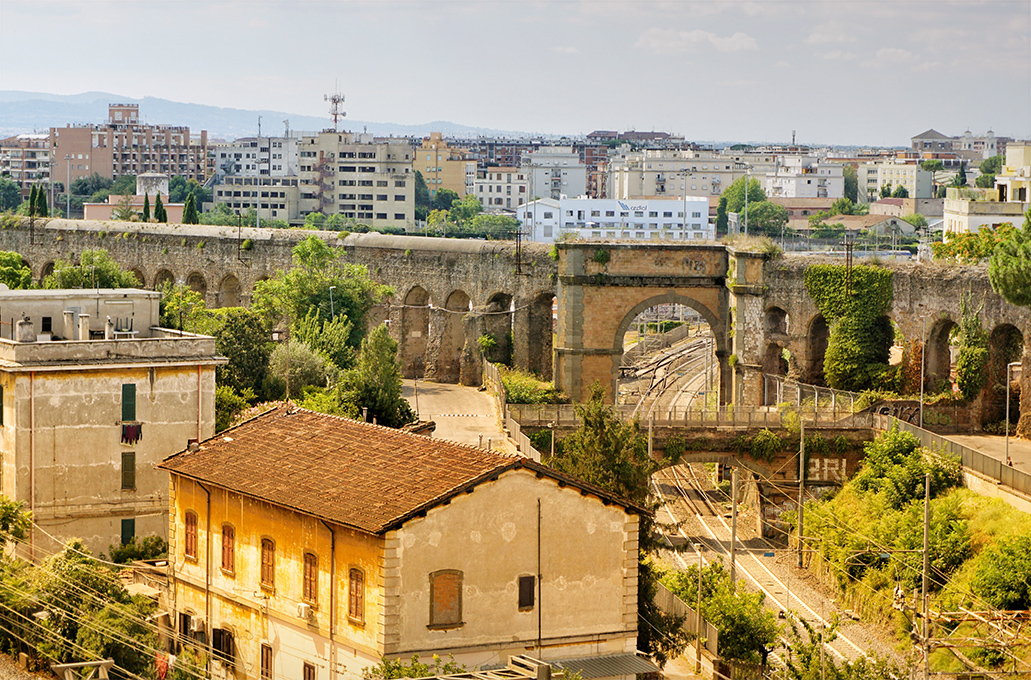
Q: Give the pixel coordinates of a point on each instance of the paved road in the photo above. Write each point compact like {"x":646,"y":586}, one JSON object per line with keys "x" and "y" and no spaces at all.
{"x":995,"y":446}
{"x":462,"y":413}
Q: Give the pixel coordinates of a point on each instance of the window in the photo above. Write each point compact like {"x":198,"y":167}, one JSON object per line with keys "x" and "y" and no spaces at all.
{"x":397,"y":216}
{"x":399,"y":197}
{"x":268,"y":563}
{"x":547,"y":215}
{"x":308,"y":672}
{"x":526,"y":592}
{"x":222,"y":645}
{"x":356,"y":596}
{"x":190,"y":535}
{"x":47,"y":325}
{"x":446,"y":599}
{"x":228,"y":548}
{"x":129,"y":402}
{"x":311,"y":578}
{"x":381,"y":197}
{"x":128,"y":470}
{"x":128,"y":530}
{"x":266,"y":662}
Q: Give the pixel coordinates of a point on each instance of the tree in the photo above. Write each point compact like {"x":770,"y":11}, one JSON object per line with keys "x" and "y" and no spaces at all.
{"x":41,"y":203}
{"x":125,"y":212}
{"x":493,"y":225}
{"x":329,"y":337}
{"x":295,"y":366}
{"x":190,"y":215}
{"x":184,"y":309}
{"x":916,"y":219}
{"x":228,"y":405}
{"x":394,"y":669}
{"x":242,"y":337}
{"x":160,"y":214}
{"x":179,"y":188}
{"x":886,"y":190}
{"x":989,"y":168}
{"x":842,"y":206}
{"x":806,"y":662}
{"x":444,"y":198}
{"x":933,"y":165}
{"x":437,"y":221}
{"x":146,"y":206}
{"x":465,"y":209}
{"x":90,"y":184}
{"x":10,"y":194}
{"x":960,"y":180}
{"x":375,"y":383}
{"x":96,"y":269}
{"x":14,"y":273}
{"x":423,"y":203}
{"x":32,"y":201}
{"x":766,"y":218}
{"x":15,"y":520}
{"x":1002,"y":575}
{"x":721,"y":216}
{"x":900,"y":192}
{"x":1009,"y":268}
{"x":851,"y":182}
{"x":735,"y":194}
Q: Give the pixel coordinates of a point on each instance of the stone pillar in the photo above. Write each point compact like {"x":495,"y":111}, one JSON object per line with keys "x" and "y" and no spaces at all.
{"x":521,"y":339}
{"x":727,"y":382}
{"x":84,"y":327}
{"x":470,"y":357}
{"x":25,"y":331}
{"x":68,"y":331}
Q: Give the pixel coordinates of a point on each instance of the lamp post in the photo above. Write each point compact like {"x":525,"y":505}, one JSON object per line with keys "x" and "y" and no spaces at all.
{"x":923,"y":361}
{"x":332,"y":312}
{"x":68,"y":186}
{"x":1009,"y":368}
{"x":698,"y":614}
{"x":748,"y":180}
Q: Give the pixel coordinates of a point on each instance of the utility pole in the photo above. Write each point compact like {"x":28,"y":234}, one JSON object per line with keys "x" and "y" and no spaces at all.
{"x":733,"y":525}
{"x":801,"y":483}
{"x":257,"y":214}
{"x":698,"y":615}
{"x":923,"y":594}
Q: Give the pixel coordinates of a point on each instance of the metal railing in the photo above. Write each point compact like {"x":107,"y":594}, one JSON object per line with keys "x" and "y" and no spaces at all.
{"x":492,"y":380}
{"x":668,"y":602}
{"x":778,"y":390}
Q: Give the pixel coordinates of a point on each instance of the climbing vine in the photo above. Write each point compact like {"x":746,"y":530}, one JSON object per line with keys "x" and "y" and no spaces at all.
{"x":861,"y":335}
{"x":972,"y":361}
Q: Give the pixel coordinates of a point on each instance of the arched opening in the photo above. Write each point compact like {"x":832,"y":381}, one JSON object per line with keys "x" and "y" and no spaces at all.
{"x":415,"y":330}
{"x":1005,"y":346}
{"x":669,"y":358}
{"x":938,"y":359}
{"x":197,"y":284}
{"x":47,"y":270}
{"x":497,"y":324}
{"x":452,"y":341}
{"x":776,"y":321}
{"x":816,"y":348}
{"x":141,"y":280}
{"x":542,"y":335}
{"x":229,"y":292}
{"x":162,"y":278}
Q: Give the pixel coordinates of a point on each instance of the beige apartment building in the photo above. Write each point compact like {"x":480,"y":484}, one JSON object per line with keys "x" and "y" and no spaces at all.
{"x":357,"y":177}
{"x":26,"y":160}
{"x":94,"y":395}
{"x":668,"y":173}
{"x":444,"y":167}
{"x":124,"y":146}
{"x":503,"y":188}
{"x":276,"y":198}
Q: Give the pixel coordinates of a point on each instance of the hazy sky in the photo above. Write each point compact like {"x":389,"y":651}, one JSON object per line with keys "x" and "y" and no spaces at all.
{"x":838,"y":71}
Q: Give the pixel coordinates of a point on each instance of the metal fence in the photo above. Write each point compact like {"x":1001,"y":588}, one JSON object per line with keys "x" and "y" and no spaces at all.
{"x":778,"y":390}
{"x":668,"y":602}
{"x":492,"y":380}
{"x":985,"y":465}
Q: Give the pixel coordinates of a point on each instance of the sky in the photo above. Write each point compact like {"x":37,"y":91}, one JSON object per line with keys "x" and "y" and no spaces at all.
{"x":874,"y":72}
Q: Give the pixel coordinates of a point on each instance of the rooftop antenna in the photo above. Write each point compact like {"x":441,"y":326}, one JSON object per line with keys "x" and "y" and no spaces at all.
{"x":286,"y":124}
{"x":335,"y":100}
{"x":792,"y":138}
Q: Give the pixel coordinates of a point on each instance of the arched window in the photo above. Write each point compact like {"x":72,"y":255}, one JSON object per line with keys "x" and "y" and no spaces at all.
{"x":356,"y":596}
{"x":190,"y":535}
{"x":446,"y":599}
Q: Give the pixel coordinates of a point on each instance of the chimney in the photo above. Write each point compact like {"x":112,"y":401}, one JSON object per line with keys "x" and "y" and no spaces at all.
{"x":26,"y":332}
{"x":84,"y":327}
{"x":69,"y":325}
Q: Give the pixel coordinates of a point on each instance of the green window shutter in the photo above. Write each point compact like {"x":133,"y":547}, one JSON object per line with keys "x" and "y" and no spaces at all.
{"x":128,"y":470}
{"x":128,"y":530}
{"x":128,"y":402}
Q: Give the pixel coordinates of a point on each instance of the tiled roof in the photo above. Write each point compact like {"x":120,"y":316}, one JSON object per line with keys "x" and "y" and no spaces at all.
{"x":369,"y":477}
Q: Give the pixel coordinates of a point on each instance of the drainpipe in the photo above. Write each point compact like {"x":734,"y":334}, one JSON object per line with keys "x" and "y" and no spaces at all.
{"x":207,"y":575}
{"x":200,"y":395}
{"x":332,"y":598}
{"x":32,"y":461}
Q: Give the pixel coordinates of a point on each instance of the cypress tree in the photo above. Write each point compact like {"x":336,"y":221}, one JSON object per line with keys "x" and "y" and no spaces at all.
{"x":190,"y":215}
{"x":146,"y":207}
{"x":159,"y":210}
{"x":721,"y":216}
{"x":32,"y":201}
{"x":41,"y":204}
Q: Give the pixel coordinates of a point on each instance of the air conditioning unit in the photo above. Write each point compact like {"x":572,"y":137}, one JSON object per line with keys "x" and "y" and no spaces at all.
{"x":304,"y":611}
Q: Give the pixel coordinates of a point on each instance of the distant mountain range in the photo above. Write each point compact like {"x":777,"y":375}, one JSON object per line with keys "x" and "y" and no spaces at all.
{"x":22,"y":112}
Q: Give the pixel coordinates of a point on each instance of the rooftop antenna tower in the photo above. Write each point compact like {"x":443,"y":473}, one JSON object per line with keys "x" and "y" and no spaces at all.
{"x":335,"y":101}
{"x":792,"y":138}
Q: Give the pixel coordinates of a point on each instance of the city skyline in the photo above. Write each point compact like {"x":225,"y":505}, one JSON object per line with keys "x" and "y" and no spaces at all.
{"x":867,"y":73}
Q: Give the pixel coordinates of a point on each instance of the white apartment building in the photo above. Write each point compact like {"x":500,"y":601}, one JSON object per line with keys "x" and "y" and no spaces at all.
{"x":555,"y":171}
{"x":547,"y":220}
{"x":968,"y":210}
{"x":354,"y":176}
{"x":805,"y":177}
{"x":502,"y":188}
{"x":657,"y":173}
{"x":258,"y":156}
{"x":872,"y":176}
{"x":276,"y":198}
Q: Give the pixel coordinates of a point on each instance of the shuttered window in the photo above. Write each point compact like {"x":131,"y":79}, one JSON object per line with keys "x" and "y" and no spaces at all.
{"x":526,"y":592}
{"x":129,"y":402}
{"x":309,"y":672}
{"x":128,"y":470}
{"x":228,"y":548}
{"x":266,"y":662}
{"x":311,"y":578}
{"x":128,"y":530}
{"x":446,"y":599}
{"x":268,"y":563}
{"x":356,"y":596}
{"x":190,"y":535}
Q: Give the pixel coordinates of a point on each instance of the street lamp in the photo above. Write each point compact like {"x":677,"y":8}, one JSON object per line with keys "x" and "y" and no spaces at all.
{"x":68,"y":185}
{"x":1009,"y":368}
{"x":698,"y":614}
{"x":923,"y":360}
{"x":332,"y":313}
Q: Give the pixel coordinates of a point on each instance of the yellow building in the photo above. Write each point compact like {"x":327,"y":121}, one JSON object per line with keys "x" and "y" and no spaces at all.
{"x":444,"y":167}
{"x":95,"y":394}
{"x":309,"y":546}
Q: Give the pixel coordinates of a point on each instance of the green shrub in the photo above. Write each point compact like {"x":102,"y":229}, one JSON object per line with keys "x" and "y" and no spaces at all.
{"x":1003,"y":575}
{"x":487,"y":342}
{"x":247,"y":244}
{"x":765,"y":445}
{"x":148,"y":548}
{"x":526,"y":388}
{"x":601,"y":256}
{"x":675,"y":447}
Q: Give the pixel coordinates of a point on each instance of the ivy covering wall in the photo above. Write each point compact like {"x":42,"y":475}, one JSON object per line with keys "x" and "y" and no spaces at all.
{"x":861,"y":335}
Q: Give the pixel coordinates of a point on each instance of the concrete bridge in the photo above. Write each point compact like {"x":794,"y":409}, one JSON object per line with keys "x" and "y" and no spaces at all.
{"x":449,"y":292}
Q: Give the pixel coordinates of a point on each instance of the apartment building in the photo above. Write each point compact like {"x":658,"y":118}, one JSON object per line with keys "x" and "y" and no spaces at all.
{"x":444,"y":167}
{"x":357,"y":177}
{"x":555,"y":171}
{"x":93,"y":395}
{"x":547,"y":220}
{"x":969,"y":210}
{"x":276,"y":198}
{"x":25,"y":159}
{"x":660,"y":173}
{"x":257,"y":156}
{"x":805,"y":177}
{"x":502,"y":188}
{"x":125,"y":146}
{"x":872,"y":176}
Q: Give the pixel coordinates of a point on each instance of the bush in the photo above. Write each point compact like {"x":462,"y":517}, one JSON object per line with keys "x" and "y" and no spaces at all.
{"x":526,"y":388}
{"x":228,"y":404}
{"x":674,"y":450}
{"x":1003,"y":576}
{"x":149,"y":548}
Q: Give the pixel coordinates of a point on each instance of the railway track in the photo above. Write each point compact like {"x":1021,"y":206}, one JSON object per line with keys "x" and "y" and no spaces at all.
{"x":674,"y":370}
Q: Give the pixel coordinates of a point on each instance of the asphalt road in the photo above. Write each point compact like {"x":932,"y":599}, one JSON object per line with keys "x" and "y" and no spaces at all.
{"x":462,"y":414}
{"x":995,"y":446}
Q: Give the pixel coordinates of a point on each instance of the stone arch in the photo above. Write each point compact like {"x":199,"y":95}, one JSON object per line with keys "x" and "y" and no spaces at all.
{"x":162,"y":277}
{"x":46,"y":271}
{"x":938,"y":354}
{"x":776,"y":321}
{"x":197,"y":283}
{"x":541,"y":333}
{"x":816,"y":348}
{"x":497,"y":322}
{"x":1005,"y":346}
{"x":452,"y":341}
{"x":229,"y":291}
{"x":773,"y":363}
{"x":141,"y":280}
{"x":415,"y":331}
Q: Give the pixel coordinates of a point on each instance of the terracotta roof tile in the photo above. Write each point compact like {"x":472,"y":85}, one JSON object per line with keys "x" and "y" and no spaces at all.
{"x":357,"y":474}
